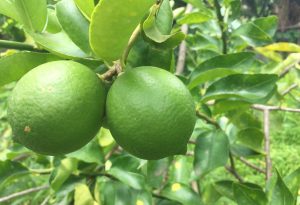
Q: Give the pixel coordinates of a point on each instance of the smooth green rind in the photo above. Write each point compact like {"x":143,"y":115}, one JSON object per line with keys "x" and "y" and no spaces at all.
{"x":112,"y":24}
{"x":74,"y":24}
{"x":150,"y":113}
{"x":13,"y":67}
{"x":32,"y":13}
{"x":57,"y":107}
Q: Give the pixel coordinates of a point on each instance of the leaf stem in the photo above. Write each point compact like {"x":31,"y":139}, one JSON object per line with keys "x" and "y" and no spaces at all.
{"x":19,"y":46}
{"x":221,"y":24}
{"x":131,"y":42}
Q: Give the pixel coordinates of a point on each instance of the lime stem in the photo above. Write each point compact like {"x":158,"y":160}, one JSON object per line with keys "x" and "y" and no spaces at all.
{"x":18,"y":46}
{"x":131,"y":42}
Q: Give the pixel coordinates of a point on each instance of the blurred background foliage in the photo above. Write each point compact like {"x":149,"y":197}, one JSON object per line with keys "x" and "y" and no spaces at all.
{"x":102,"y":167}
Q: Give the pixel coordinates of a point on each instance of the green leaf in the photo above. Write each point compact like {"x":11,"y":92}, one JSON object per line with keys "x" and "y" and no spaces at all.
{"x":227,"y":105}
{"x":143,"y":54}
{"x":221,"y":66}
{"x":110,"y":31}
{"x":152,"y":32}
{"x":164,"y":18}
{"x":251,"y":138}
{"x":211,"y":151}
{"x":281,"y":195}
{"x":90,"y":153}
{"x":225,"y":188}
{"x":53,"y":25}
{"x":74,"y":24}
{"x":250,"y":88}
{"x":181,"y":170}
{"x":155,"y":36}
{"x":210,"y":194}
{"x":86,"y":7}
{"x":8,"y":8}
{"x":62,"y":173}
{"x":59,"y":43}
{"x":258,"y":32}
{"x":13,"y":67}
{"x":143,"y":198}
{"x":181,"y":193}
{"x":235,"y":6}
{"x":250,"y":195}
{"x":10,"y":170}
{"x":83,"y":195}
{"x":109,"y":192}
{"x":293,"y":182}
{"x":131,"y":179}
{"x":283,"y":47}
{"x":198,"y":4}
{"x":126,"y":163}
{"x":156,"y":170}
{"x":33,"y":14}
{"x":104,"y":137}
{"x":195,"y":18}
{"x":242,"y":151}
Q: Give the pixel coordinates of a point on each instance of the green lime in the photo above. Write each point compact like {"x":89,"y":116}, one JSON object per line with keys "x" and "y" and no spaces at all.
{"x":57,"y":107}
{"x":150,"y":113}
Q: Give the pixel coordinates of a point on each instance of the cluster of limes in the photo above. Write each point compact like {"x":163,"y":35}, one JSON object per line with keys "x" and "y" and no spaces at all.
{"x":58,"y":107}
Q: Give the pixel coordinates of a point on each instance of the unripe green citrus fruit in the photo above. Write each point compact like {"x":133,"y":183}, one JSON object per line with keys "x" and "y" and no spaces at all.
{"x":57,"y":107}
{"x":150,"y":113}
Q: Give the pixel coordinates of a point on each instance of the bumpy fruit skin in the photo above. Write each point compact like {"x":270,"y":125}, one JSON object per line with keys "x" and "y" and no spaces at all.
{"x":57,"y":107}
{"x":150,"y":113}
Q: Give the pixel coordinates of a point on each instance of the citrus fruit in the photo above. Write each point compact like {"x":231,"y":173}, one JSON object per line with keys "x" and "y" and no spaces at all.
{"x":150,"y":113}
{"x":57,"y":107}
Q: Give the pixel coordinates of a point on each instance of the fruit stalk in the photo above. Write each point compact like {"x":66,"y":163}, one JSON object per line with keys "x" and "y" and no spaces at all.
{"x":131,"y":42}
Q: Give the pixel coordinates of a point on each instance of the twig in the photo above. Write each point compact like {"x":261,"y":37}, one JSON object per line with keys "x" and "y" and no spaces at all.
{"x":21,"y":157}
{"x":46,"y":200}
{"x":296,"y":26}
{"x":131,"y":42}
{"x":232,"y":168}
{"x":190,"y":154}
{"x":207,"y":119}
{"x":221,"y":24}
{"x":111,"y":152}
{"x":286,"y":71}
{"x":286,"y":66}
{"x":192,"y":142}
{"x":267,"y":144}
{"x":253,"y":166}
{"x":182,"y":48}
{"x":22,"y":193}
{"x":289,"y":89}
{"x":19,"y":46}
{"x":114,"y":70}
{"x":275,"y":108}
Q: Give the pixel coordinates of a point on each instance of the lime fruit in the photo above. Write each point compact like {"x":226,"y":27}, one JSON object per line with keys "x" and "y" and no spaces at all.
{"x":150,"y":113}
{"x":57,"y":107}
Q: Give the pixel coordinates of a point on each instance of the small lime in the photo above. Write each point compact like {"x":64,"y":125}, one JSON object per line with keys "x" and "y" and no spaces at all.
{"x":57,"y":107}
{"x":150,"y":113}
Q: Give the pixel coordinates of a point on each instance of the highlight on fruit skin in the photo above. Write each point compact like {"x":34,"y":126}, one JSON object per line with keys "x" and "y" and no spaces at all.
{"x":57,"y":107}
{"x":150,"y":113}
